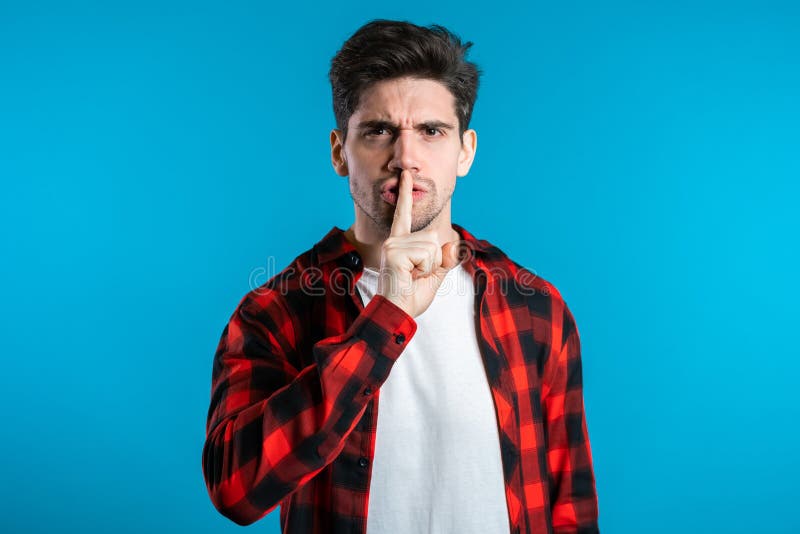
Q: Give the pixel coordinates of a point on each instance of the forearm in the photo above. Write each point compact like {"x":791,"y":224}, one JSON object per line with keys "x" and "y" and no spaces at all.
{"x":572,"y":484}
{"x":265,"y":441}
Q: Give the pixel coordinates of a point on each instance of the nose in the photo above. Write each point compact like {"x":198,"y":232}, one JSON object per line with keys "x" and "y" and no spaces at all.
{"x":405,"y":155}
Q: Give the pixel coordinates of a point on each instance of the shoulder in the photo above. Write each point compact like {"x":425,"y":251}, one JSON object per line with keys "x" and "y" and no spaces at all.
{"x":522,"y":286}
{"x":283,"y":301}
{"x":292,"y":278}
{"x":501,"y":269}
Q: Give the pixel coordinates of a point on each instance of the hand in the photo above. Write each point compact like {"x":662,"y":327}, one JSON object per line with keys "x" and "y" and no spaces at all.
{"x":413,"y":265}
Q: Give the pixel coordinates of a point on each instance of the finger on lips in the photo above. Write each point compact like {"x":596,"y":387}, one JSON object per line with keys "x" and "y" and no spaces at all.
{"x":421,"y":248}
{"x":401,"y":225}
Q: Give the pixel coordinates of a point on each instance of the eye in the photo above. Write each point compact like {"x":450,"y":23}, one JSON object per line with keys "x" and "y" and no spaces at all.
{"x":433,"y":132}
{"x":377,"y":131}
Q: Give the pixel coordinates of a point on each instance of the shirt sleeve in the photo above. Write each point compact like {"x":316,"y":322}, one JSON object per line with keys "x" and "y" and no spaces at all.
{"x":573,"y":496}
{"x":272,"y":427}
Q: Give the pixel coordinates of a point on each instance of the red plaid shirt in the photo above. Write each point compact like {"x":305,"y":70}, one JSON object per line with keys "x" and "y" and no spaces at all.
{"x":296,"y":386}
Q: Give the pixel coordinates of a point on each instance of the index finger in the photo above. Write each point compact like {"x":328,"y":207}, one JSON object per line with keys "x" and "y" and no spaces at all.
{"x":401,"y":224}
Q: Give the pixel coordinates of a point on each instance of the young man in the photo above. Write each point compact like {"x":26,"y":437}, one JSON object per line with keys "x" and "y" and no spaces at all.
{"x":402,"y":376}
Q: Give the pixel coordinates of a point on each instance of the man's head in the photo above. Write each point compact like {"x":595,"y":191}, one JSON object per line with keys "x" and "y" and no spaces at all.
{"x":385,"y":49}
{"x":403,"y":98}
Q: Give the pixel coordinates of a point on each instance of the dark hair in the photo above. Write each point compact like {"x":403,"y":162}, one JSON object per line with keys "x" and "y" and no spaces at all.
{"x":386,"y":49}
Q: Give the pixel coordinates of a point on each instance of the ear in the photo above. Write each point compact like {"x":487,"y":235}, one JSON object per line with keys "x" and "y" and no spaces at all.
{"x":337,"y":153}
{"x":469,"y":144}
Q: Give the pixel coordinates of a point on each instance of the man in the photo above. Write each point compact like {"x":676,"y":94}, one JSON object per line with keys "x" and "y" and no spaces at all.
{"x":473,"y":360}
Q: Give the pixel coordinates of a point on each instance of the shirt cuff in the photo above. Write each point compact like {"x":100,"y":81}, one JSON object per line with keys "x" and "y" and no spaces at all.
{"x":384,"y":326}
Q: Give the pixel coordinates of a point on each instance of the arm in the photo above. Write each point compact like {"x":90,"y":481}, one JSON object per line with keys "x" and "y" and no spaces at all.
{"x":271,"y":427}
{"x":573,"y":496}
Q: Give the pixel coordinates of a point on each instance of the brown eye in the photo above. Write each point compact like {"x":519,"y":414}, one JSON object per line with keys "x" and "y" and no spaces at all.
{"x":377,"y":131}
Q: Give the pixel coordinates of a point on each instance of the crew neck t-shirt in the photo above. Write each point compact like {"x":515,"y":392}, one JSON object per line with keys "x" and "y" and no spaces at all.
{"x":437,"y":465}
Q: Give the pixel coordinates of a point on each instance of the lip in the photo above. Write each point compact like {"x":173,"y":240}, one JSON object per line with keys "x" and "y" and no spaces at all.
{"x":393,"y":183}
{"x":390,"y":197}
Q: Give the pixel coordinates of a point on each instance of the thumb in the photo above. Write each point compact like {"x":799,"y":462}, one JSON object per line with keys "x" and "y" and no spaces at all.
{"x":450,"y":254}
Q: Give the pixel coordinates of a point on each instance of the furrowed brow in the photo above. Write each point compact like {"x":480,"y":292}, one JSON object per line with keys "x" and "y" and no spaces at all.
{"x":370,"y":124}
{"x":435,"y":124}
{"x":363,"y":125}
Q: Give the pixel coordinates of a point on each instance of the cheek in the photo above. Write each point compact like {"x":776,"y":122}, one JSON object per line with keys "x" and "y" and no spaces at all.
{"x":364,"y":160}
{"x":449,"y":161}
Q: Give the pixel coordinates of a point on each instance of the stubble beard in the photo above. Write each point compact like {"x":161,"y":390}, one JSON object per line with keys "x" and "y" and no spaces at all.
{"x":382,"y":214}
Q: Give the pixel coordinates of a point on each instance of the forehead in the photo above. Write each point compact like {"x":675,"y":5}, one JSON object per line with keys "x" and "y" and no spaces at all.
{"x":406,"y":100}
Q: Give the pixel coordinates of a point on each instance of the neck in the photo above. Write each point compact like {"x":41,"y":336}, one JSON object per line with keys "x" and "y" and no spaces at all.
{"x":368,"y":240}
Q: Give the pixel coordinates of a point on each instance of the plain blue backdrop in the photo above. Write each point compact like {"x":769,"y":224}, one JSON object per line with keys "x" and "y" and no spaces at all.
{"x":155,"y":156}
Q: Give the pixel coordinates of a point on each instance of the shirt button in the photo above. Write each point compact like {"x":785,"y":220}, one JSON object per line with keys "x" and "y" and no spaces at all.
{"x":368,"y":391}
{"x":363,"y":462}
{"x":399,"y":339}
{"x":354,"y":259}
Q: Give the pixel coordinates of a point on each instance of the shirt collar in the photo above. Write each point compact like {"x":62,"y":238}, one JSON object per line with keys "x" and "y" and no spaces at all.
{"x":335,"y":245}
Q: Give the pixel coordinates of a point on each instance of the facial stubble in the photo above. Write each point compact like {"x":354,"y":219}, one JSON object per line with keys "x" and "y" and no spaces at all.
{"x":382,"y":213}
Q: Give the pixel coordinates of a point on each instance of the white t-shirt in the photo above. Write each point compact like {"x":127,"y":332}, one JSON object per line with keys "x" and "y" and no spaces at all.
{"x":437,"y":465}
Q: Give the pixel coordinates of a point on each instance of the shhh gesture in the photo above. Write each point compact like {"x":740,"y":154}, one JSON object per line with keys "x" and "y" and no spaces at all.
{"x":413,"y":265}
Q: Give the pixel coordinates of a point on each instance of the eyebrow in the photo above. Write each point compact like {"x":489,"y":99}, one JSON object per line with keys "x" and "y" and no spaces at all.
{"x":392,"y":126}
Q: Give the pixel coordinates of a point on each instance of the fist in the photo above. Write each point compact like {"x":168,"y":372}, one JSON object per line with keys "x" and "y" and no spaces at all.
{"x":413,"y":264}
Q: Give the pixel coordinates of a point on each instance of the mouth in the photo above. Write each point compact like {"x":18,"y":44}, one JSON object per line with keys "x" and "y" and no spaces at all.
{"x":390,"y":189}
{"x":394,"y":183}
{"x":389,"y":195}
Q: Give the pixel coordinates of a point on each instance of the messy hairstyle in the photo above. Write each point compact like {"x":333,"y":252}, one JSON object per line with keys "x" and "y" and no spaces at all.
{"x":386,"y":49}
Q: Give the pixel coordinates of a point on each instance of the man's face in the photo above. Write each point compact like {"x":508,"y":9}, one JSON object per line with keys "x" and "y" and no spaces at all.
{"x":403,"y":123}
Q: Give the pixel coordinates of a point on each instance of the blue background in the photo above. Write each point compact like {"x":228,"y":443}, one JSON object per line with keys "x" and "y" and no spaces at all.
{"x":155,"y":158}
